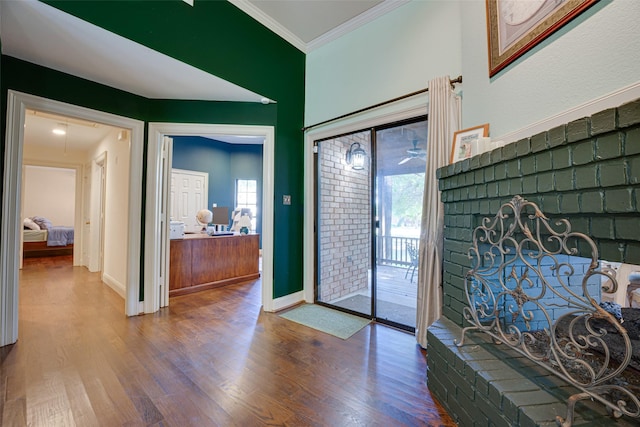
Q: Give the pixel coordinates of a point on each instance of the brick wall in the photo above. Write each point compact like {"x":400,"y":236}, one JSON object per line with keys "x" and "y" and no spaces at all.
{"x":344,"y":223}
{"x":587,"y":171}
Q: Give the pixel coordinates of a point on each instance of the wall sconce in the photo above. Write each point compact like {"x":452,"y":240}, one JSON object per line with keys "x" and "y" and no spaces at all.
{"x":356,"y":156}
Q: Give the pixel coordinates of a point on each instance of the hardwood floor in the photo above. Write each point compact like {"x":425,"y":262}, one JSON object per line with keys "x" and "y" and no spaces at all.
{"x":211,"y":359}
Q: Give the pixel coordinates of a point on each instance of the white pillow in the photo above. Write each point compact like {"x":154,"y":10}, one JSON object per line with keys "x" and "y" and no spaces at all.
{"x":28,"y":223}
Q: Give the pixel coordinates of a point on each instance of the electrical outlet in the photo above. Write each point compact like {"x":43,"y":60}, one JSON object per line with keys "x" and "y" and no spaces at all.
{"x":286,"y":199}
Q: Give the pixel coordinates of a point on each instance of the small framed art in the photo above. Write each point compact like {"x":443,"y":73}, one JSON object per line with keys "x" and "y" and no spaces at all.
{"x":465,"y":142}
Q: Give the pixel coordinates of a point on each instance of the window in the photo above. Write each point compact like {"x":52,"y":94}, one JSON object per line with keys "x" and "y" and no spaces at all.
{"x":247,"y":197}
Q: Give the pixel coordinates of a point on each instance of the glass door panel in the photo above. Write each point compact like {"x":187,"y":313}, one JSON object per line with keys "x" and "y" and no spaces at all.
{"x":343,"y":201}
{"x":400,"y":169}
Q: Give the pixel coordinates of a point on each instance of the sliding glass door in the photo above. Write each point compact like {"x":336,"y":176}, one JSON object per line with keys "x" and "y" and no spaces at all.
{"x":368,"y":221}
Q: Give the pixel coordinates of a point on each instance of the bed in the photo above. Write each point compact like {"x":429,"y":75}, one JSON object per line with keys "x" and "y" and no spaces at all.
{"x":45,"y":239}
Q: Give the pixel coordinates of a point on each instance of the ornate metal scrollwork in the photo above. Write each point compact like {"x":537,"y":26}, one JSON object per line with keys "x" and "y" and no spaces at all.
{"x":527,"y":289}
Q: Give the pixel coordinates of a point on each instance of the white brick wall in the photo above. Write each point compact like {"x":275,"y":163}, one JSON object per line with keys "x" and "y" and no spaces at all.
{"x":345,"y":219}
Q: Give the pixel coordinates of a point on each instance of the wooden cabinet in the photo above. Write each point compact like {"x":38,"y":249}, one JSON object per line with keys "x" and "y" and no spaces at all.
{"x":200,"y":262}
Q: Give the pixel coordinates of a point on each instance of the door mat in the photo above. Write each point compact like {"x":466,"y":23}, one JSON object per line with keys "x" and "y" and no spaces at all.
{"x":333,"y":322}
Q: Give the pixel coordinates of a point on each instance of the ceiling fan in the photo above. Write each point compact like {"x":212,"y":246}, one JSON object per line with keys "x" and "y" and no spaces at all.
{"x":414,"y":153}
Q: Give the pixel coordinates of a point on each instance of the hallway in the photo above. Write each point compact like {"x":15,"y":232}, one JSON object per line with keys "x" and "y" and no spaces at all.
{"x":210,"y":359}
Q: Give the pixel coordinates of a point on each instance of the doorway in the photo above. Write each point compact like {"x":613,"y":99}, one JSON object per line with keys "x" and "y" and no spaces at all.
{"x":159,"y":167}
{"x":17,"y":105}
{"x":368,"y":220}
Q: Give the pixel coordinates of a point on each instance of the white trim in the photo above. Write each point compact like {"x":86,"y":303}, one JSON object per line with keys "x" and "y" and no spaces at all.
{"x":288,"y":301}
{"x":113,"y":283}
{"x":17,"y":103}
{"x":358,"y":21}
{"x":610,"y":100}
{"x":266,"y":20}
{"x":154,"y":180}
{"x":364,"y":18}
{"x":339,"y":127}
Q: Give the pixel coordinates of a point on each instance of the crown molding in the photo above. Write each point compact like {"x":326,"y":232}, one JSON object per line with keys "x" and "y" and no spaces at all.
{"x":364,"y":18}
{"x":270,"y":23}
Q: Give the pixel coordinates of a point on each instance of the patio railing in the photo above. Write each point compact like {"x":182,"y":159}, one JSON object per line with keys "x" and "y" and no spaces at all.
{"x":392,"y":250}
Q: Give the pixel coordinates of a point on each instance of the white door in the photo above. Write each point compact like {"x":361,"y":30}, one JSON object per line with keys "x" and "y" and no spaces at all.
{"x":189,"y":194}
{"x":96,"y":220}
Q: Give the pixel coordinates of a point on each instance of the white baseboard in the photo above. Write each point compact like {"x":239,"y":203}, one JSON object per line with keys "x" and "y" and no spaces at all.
{"x":114,"y":284}
{"x":610,"y":100}
{"x":288,"y":301}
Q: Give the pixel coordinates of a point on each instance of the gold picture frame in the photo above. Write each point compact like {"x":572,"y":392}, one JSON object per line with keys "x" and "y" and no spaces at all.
{"x":464,"y":142}
{"x":515,"y":26}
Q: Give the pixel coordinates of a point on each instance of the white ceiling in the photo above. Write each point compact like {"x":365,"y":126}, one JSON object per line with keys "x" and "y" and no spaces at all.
{"x":38,"y":33}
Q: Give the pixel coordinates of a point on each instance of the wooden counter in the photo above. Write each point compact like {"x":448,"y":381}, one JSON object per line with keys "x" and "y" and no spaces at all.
{"x":200,"y":262}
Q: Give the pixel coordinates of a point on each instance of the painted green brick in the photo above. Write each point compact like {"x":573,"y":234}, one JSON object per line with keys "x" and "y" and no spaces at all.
{"x":602,"y":228}
{"x":485,"y":159}
{"x":478,"y":176}
{"x":530,"y":184}
{"x":475,"y":162}
{"x":516,"y":185}
{"x":450,"y":170}
{"x":613,"y":173}
{"x":564,"y":180}
{"x":484,"y":207}
{"x":543,"y":161}
{"x":570,"y":203}
{"x":523,"y":147}
{"x":592,"y":202}
{"x":492,"y":189}
{"x":545,"y":182}
{"x":578,"y":129}
{"x":580,"y":224}
{"x":583,"y":153}
{"x":609,"y":146}
{"x":466,"y":165}
{"x":603,"y":121}
{"x":549,"y":204}
{"x":509,"y":151}
{"x":632,"y":255}
{"x":473,"y":192}
{"x":557,"y":136}
{"x":489,"y":174}
{"x":611,"y":251}
{"x":632,"y":142}
{"x":636,"y":197}
{"x":500,"y":171}
{"x":496,"y":155}
{"x":618,"y":200}
{"x":634,"y":169}
{"x":586,"y":177}
{"x":629,"y":114}
{"x":528,"y":165}
{"x":504,"y":188}
{"x":539,"y":142}
{"x":561,"y":158}
{"x":513,"y":168}
{"x":494,"y":206}
{"x":457,"y":167}
{"x":482,"y":191}
{"x":627,"y":228}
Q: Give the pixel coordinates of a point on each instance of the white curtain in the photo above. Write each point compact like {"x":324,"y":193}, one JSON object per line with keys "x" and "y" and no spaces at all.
{"x":443,"y":121}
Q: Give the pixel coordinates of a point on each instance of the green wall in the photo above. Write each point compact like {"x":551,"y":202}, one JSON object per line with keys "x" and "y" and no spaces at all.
{"x":219,"y":38}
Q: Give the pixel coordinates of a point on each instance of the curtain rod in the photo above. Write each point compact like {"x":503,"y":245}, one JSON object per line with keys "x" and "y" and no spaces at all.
{"x":362,"y":110}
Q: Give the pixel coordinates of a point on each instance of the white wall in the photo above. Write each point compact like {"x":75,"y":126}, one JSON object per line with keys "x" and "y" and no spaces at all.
{"x":116,"y":209}
{"x":594,"y":55}
{"x":396,"y":54}
{"x":50,"y":193}
{"x":589,"y":58}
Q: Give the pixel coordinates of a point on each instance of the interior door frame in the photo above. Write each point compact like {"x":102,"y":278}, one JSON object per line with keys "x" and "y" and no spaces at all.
{"x":17,"y":104}
{"x":154,"y":198}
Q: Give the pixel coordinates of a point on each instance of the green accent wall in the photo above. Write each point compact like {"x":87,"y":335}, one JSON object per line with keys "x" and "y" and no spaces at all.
{"x":220,"y":39}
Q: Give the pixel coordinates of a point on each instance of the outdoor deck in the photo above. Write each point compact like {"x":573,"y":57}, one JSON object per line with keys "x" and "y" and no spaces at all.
{"x":397,"y":296}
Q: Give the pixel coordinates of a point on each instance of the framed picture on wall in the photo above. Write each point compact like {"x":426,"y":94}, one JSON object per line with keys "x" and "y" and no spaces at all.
{"x":515,"y":26}
{"x":465,"y":142}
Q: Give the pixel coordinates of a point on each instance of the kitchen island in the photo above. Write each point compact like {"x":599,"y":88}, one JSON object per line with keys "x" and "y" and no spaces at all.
{"x":199,"y":261}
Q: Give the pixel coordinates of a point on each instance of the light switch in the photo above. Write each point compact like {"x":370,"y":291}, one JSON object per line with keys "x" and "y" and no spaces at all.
{"x":286,"y":199}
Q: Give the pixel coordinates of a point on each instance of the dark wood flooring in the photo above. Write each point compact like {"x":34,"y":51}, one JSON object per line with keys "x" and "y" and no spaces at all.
{"x":210,"y":359}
